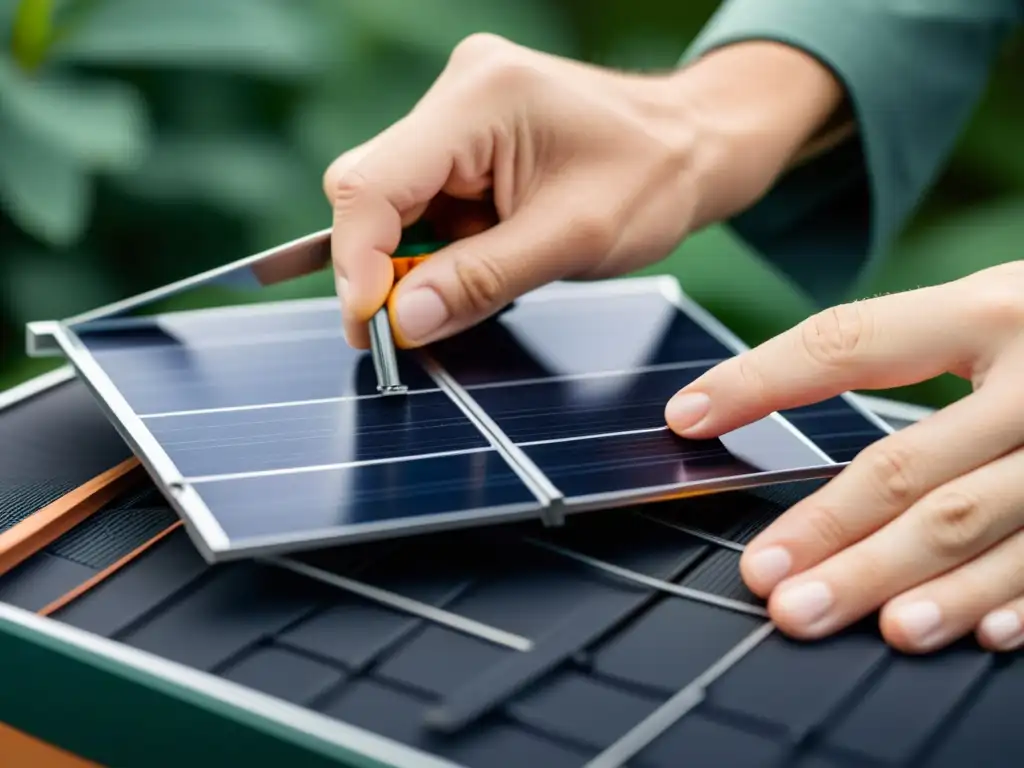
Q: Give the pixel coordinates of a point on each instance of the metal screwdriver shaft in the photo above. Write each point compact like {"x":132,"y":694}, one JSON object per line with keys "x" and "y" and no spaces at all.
{"x":417,"y":244}
{"x":382,"y":350}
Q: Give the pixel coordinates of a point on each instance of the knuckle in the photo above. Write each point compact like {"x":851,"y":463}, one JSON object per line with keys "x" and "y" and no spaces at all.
{"x":998,"y":303}
{"x":890,"y":466}
{"x":346,"y":187}
{"x":481,"y":283}
{"x":751,"y":378}
{"x":485,"y":64}
{"x":476,"y":48}
{"x":828,"y":528}
{"x":592,"y":234}
{"x":954,"y":524}
{"x":1016,"y":575}
{"x":834,"y":335}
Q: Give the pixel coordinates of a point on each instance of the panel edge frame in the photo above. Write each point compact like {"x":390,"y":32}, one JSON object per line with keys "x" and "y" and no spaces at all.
{"x":204,"y":530}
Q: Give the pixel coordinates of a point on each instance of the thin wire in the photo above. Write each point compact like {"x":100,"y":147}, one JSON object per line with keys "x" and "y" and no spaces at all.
{"x":709,"y":537}
{"x":406,"y":604}
{"x":648,"y":581}
{"x":673,"y":710}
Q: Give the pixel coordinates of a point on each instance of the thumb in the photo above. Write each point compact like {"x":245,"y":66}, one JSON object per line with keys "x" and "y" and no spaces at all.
{"x":471,"y":279}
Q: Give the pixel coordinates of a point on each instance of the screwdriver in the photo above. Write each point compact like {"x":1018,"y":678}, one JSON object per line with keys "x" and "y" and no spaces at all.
{"x":410,"y":253}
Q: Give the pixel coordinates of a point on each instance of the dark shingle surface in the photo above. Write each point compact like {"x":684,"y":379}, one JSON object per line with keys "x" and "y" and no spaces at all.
{"x":844,"y":702}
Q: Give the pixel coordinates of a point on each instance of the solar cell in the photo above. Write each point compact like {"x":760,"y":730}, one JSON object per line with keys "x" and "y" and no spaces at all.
{"x":836,"y":427}
{"x":578,"y":331}
{"x":315,"y":434}
{"x":631,"y":465}
{"x":314,"y":508}
{"x":169,"y":364}
{"x":561,"y":410}
{"x":266,"y":431}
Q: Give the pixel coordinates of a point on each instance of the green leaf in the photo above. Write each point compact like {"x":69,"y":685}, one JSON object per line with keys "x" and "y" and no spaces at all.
{"x":437,"y":25}
{"x":242,"y":174}
{"x":32,"y":30}
{"x":100,"y":124}
{"x":44,"y":191}
{"x":265,"y":36}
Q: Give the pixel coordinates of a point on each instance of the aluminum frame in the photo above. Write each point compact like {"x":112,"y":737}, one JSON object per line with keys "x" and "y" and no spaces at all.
{"x":307,"y":254}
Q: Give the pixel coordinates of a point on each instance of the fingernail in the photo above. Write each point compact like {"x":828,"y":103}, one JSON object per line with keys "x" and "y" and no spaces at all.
{"x":1003,"y":629}
{"x":419,"y":313}
{"x":920,"y":621}
{"x":807,"y":603}
{"x":769,"y":566}
{"x":686,"y":410}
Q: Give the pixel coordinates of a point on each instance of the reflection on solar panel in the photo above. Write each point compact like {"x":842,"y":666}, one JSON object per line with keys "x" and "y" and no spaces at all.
{"x":266,"y":430}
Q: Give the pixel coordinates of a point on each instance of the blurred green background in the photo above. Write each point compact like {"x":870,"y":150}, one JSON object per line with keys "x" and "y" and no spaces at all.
{"x":142,"y":141}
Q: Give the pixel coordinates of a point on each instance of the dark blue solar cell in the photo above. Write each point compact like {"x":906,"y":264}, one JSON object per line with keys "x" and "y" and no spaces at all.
{"x":624,"y":464}
{"x":554,"y":410}
{"x":579,"y":335}
{"x":315,"y":434}
{"x":352,"y":500}
{"x":160,"y":371}
{"x":838,"y":428}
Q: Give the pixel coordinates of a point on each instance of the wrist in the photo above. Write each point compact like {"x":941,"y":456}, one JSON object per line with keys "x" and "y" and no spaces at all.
{"x":746,"y":113}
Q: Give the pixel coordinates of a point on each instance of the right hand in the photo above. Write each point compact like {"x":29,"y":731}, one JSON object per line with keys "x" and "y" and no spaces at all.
{"x":541,"y":168}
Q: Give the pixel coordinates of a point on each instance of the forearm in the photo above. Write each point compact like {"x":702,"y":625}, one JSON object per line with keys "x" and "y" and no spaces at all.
{"x":759,"y":107}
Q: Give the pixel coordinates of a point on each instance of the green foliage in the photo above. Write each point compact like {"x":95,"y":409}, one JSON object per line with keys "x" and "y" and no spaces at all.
{"x":146,"y":140}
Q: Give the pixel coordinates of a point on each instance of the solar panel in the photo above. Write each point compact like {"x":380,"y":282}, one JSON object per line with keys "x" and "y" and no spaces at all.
{"x":267,"y":433}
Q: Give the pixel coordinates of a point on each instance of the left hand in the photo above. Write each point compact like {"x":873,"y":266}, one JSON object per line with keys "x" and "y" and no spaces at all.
{"x":926,"y":524}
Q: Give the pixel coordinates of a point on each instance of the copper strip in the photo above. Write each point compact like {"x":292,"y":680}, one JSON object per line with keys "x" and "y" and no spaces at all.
{"x":21,"y":541}
{"x":19,"y":749}
{"x":107,"y":572}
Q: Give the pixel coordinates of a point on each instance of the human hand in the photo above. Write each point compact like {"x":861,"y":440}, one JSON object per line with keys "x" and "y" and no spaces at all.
{"x":542,"y":168}
{"x":926,"y":524}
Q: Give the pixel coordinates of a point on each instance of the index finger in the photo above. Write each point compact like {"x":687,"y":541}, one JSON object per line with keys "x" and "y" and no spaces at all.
{"x":381,"y":187}
{"x":878,"y":343}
